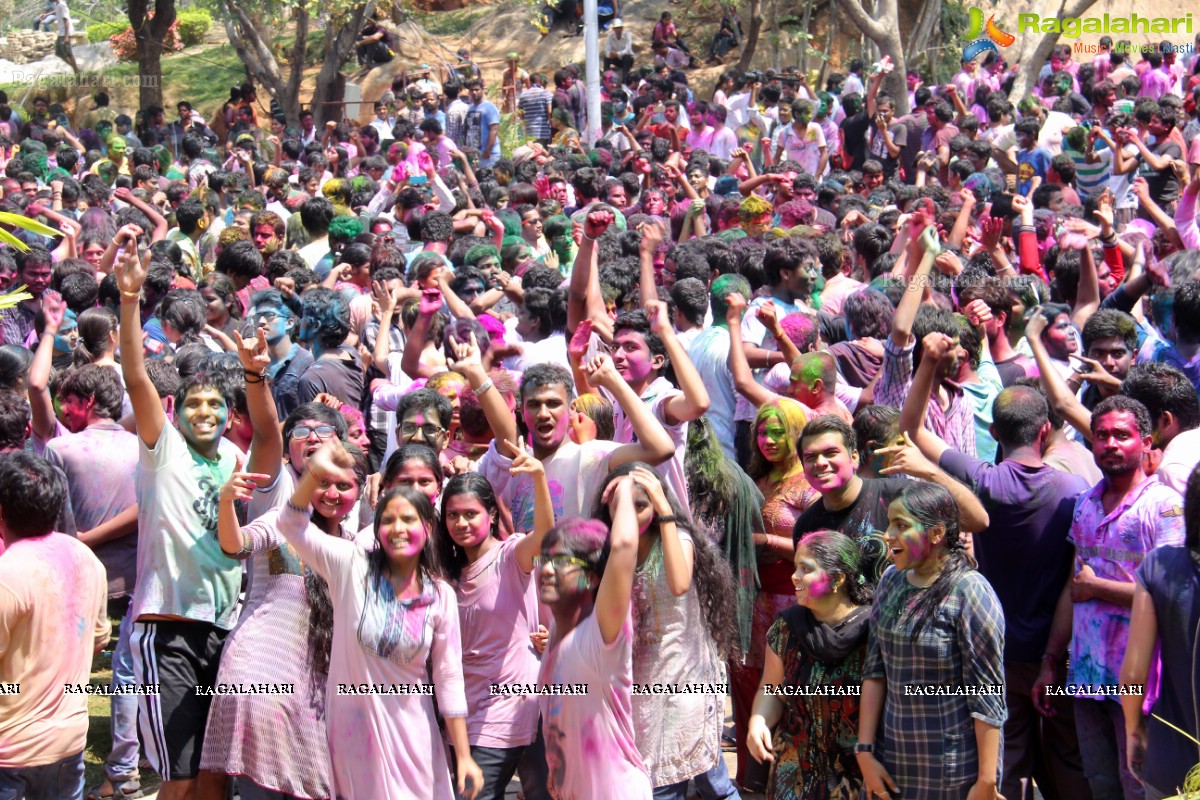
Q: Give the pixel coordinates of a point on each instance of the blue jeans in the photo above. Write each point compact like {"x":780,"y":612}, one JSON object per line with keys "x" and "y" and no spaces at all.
{"x":62,"y":780}
{"x":712,"y":785}
{"x":122,"y":763}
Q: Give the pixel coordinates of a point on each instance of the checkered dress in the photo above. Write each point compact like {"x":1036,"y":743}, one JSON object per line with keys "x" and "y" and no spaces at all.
{"x":955,"y":425}
{"x":928,"y":742}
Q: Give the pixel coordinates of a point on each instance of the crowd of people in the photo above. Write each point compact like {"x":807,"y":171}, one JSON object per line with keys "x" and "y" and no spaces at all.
{"x":390,"y":463}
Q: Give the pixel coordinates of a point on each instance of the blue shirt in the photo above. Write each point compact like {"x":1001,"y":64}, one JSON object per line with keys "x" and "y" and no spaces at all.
{"x":1030,"y":163}
{"x":480,"y":118}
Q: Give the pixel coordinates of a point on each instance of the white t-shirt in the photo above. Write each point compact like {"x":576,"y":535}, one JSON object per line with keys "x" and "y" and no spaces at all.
{"x":575,"y":473}
{"x":805,"y":148}
{"x":181,"y":569}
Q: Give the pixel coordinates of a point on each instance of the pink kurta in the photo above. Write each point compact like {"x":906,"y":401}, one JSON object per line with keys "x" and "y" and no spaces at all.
{"x":383,"y":734}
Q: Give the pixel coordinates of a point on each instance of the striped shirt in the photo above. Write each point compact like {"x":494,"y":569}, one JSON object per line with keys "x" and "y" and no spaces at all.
{"x":1094,"y":177}
{"x":533,"y":104}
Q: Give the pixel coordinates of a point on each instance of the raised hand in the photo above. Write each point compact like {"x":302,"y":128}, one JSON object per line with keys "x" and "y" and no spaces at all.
{"x":54,"y":309}
{"x":255,"y":356}
{"x":992,"y":229}
{"x":597,"y":223}
{"x":601,"y":372}
{"x":735,"y":306}
{"x":131,"y":272}
{"x":652,"y":238}
{"x":467,"y":355}
{"x":329,"y":461}
{"x":241,"y":485}
{"x":659,"y":319}
{"x":580,"y":340}
{"x":523,"y":461}
{"x":978,"y":313}
{"x":768,"y":316}
{"x":431,"y":302}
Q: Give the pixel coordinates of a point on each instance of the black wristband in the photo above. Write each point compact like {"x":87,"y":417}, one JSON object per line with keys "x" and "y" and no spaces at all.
{"x":668,"y":518}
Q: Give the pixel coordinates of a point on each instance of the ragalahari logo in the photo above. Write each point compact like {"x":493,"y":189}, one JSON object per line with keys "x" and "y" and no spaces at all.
{"x":980,"y":44}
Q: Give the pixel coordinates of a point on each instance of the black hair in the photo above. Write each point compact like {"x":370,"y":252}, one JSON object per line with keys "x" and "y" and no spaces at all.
{"x":1161,"y":388}
{"x":453,"y":557}
{"x":861,"y":561}
{"x":1109,"y":323}
{"x":14,"y":365}
{"x":412,"y":452}
{"x":15,"y":418}
{"x":546,"y":374}
{"x":868,"y":314}
{"x":931,"y":506}
{"x":1120,"y":403}
{"x":318,"y":411}
{"x":379,"y":567}
{"x":425,"y":400}
{"x":315,"y":214}
{"x":712,"y":579}
{"x":98,"y":382}
{"x":690,"y":296}
{"x":240,"y":259}
{"x":828,"y":423}
{"x":32,"y":493}
{"x":1018,"y":415}
{"x":874,"y":425}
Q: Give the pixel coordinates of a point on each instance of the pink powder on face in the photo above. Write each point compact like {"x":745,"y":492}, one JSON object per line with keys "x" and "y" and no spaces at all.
{"x":821,"y":587}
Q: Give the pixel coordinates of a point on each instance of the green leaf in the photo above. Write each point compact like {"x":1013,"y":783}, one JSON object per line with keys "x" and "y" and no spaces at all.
{"x":31,"y":225}
{"x":14,"y":297}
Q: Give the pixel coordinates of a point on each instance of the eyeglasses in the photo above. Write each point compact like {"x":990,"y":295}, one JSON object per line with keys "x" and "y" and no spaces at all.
{"x":322,"y":431}
{"x":560,"y":563}
{"x":265,"y":316}
{"x":429,"y":430}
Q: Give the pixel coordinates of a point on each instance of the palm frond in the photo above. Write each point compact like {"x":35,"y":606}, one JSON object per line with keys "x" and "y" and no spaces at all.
{"x":21,"y":221}
{"x":14,"y":297}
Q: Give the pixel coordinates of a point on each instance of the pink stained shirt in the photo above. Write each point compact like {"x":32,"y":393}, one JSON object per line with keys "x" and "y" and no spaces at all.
{"x":498,"y":609}
{"x":590,"y":747}
{"x":52,"y":621}
{"x":1113,"y":544}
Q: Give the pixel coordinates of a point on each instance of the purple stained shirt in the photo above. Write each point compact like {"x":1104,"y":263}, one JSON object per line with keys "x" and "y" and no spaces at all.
{"x":1113,"y":544}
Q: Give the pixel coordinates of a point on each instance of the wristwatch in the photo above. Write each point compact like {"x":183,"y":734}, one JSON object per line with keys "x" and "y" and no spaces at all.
{"x":864,"y":747}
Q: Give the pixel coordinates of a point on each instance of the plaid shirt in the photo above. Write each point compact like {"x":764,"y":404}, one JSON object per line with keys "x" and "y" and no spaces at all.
{"x":928,"y":742}
{"x":16,"y":323}
{"x":954,"y":425}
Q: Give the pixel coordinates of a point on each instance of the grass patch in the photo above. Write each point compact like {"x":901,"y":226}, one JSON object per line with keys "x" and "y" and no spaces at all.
{"x":449,"y":23}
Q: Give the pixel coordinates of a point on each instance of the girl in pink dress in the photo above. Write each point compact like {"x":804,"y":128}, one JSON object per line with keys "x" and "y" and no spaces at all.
{"x":501,"y":633}
{"x":585,"y":576}
{"x":392,"y":613}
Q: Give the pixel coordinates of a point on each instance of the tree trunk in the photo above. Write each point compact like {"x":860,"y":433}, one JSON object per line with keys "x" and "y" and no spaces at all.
{"x":884,"y":32}
{"x":1034,"y":51}
{"x":805,"y":27}
{"x":751,"y":36}
{"x":331,"y":84}
{"x":149,"y":34}
{"x":261,"y":65}
{"x":918,"y":37}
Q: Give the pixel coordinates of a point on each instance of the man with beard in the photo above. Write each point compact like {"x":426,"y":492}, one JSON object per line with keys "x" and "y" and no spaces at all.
{"x":1115,"y":524}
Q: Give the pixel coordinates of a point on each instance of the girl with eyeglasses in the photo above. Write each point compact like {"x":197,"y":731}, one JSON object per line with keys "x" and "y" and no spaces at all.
{"x":393,"y":614}
{"x":498,"y":612}
{"x":287,"y":614}
{"x":585,"y":575}
{"x":684,"y":628}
